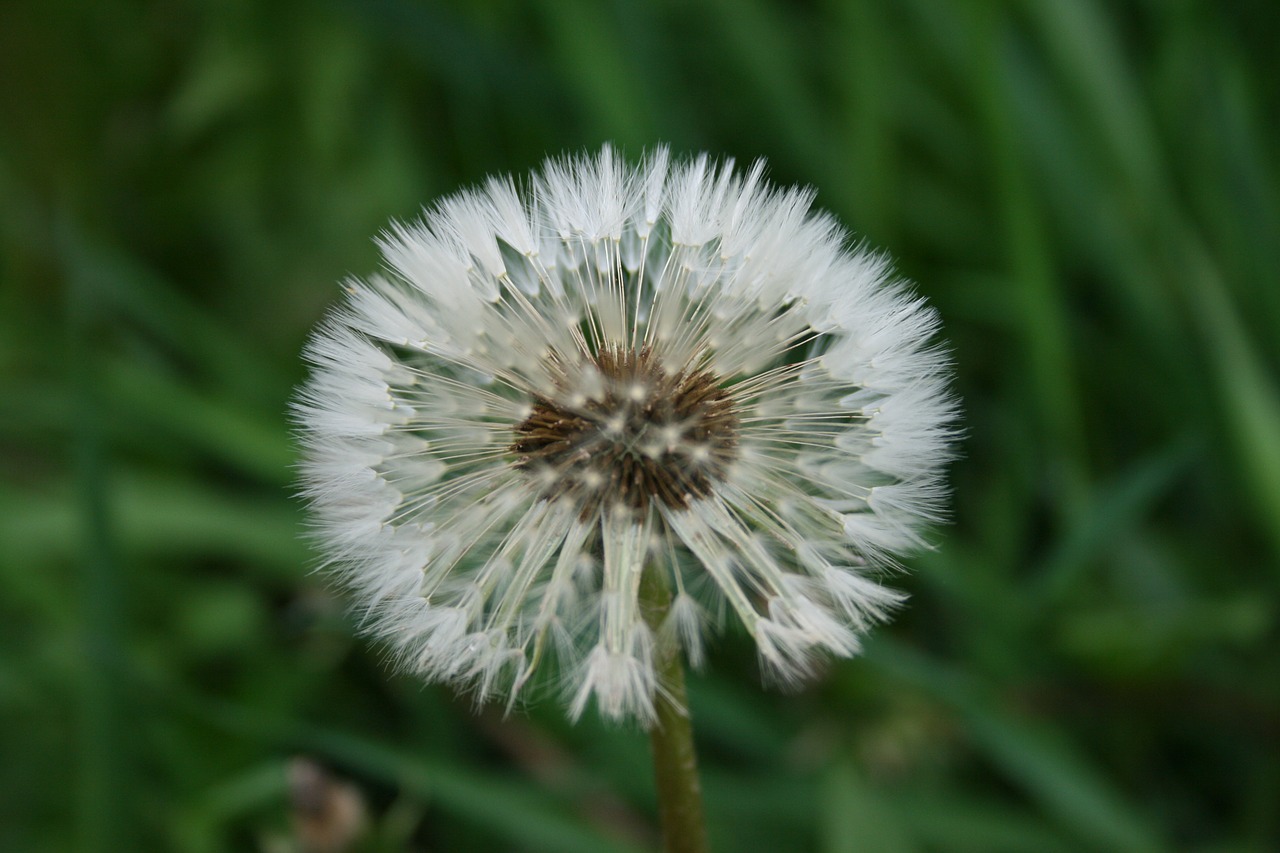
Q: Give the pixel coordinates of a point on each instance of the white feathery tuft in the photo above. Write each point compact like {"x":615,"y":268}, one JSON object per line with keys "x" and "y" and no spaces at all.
{"x":562,"y":383}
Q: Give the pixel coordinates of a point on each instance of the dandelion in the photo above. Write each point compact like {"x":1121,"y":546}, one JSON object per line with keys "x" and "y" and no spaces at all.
{"x":674,"y":377}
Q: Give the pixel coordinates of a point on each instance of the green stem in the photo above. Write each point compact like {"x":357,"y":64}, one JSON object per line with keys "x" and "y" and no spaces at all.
{"x":675,"y":762}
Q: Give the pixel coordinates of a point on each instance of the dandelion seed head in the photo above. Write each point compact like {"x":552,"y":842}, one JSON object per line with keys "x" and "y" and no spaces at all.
{"x":608,"y":370}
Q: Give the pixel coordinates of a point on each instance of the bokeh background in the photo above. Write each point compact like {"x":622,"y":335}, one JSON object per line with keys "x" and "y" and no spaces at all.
{"x":1086,"y":190}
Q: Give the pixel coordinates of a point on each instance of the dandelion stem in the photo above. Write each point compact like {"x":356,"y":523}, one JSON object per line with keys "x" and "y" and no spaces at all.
{"x":675,"y":763}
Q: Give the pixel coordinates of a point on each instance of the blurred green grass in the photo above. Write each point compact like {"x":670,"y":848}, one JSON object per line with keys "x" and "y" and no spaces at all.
{"x":1087,"y":191}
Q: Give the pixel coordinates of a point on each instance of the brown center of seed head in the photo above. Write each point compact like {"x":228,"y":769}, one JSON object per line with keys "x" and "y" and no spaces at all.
{"x":643,"y":434}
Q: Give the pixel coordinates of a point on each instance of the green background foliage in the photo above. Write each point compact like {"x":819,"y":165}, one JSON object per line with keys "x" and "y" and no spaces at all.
{"x":1086,"y":190}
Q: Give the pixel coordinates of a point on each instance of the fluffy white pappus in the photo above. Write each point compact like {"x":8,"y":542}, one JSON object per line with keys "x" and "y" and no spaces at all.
{"x":623,"y":683}
{"x":683,"y":628}
{"x":673,"y":371}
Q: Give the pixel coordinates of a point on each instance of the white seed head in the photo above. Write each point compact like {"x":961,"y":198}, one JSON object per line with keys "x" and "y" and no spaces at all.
{"x":674,"y":368}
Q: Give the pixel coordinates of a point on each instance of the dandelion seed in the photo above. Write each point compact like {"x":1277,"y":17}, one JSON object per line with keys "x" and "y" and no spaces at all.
{"x":674,"y":367}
